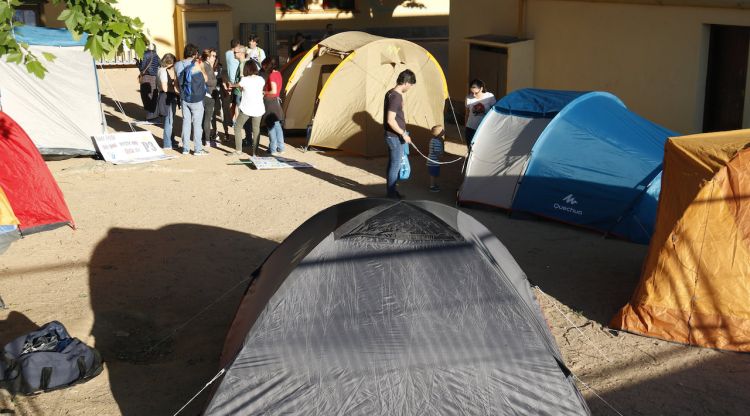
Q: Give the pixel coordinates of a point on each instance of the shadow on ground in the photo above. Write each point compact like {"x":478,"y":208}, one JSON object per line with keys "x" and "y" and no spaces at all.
{"x":14,"y":326}
{"x":147,"y":286}
{"x":719,"y":380}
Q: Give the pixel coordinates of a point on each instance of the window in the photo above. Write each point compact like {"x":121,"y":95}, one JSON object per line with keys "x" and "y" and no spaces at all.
{"x":29,"y":13}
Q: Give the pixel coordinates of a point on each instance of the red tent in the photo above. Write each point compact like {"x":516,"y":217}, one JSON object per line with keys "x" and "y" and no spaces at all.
{"x":30,"y":200}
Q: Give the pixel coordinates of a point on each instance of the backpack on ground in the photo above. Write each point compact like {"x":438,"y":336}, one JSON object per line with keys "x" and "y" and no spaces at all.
{"x":192,"y":85}
{"x":47,"y":359}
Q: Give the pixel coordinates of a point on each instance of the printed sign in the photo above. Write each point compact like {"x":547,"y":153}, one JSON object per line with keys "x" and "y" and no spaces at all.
{"x":129,"y":148}
{"x":277,"y":163}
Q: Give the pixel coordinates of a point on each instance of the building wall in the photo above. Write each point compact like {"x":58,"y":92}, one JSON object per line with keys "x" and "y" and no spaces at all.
{"x":468,"y":21}
{"x":166,"y":24}
{"x":159,"y":21}
{"x":653,"y":57}
{"x":424,"y":19}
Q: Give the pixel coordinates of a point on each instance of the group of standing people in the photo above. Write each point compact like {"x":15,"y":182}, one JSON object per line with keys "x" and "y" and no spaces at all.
{"x":247,"y":90}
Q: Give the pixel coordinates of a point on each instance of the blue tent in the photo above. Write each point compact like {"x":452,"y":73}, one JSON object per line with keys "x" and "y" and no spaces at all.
{"x":47,"y":36}
{"x":581,"y":158}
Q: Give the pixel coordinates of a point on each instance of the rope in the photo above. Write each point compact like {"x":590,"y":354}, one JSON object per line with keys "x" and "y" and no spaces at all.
{"x":455,"y":119}
{"x":216,"y":377}
{"x":177,"y":329}
{"x":432,"y":160}
{"x":597,"y":394}
{"x":114,"y":98}
{"x":554,"y":304}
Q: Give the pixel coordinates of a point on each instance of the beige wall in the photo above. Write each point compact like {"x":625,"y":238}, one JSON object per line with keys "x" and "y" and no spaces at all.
{"x":158,"y":22}
{"x":465,"y":22}
{"x":653,"y":57}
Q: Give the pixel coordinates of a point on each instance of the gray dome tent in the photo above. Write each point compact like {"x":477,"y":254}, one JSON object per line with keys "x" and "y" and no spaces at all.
{"x":382,"y":307}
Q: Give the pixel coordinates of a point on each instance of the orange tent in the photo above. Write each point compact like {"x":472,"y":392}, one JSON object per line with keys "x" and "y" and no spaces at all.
{"x":695,"y":286}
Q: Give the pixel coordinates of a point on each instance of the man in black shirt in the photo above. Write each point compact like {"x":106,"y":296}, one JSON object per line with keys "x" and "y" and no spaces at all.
{"x":394,"y":125}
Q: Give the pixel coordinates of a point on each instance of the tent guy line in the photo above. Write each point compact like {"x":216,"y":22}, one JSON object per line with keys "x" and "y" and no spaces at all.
{"x":201,"y":312}
{"x":210,"y":382}
{"x":116,"y":100}
{"x":573,"y":325}
{"x":554,"y":304}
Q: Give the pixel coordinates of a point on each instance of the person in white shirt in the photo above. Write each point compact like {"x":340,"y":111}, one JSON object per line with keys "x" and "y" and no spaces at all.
{"x":478,"y":103}
{"x":254,"y":51}
{"x":251,"y":106}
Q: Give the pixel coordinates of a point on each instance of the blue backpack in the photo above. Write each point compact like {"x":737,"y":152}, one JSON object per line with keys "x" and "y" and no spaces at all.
{"x":192,"y":85}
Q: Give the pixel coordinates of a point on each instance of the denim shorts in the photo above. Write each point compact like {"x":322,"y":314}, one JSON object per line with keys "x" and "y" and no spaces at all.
{"x":433,"y":170}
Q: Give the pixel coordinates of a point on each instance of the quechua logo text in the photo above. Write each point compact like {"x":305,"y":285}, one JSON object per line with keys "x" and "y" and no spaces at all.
{"x":567,"y":204}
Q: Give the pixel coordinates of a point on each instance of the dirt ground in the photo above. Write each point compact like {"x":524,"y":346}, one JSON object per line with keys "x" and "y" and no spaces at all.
{"x":161,"y":254}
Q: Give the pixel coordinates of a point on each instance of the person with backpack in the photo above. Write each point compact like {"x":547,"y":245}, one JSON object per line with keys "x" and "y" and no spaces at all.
{"x":168,"y":96}
{"x":149,"y":67}
{"x":192,"y":77}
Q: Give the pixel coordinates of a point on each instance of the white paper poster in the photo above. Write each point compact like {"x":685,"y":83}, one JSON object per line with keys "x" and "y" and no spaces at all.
{"x":264,"y":163}
{"x":128,"y":148}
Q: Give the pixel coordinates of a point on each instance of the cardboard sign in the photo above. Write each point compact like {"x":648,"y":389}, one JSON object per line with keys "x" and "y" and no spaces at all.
{"x":129,"y":148}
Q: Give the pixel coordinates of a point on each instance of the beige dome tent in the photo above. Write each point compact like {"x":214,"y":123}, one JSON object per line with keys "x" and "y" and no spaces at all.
{"x":341,"y":83}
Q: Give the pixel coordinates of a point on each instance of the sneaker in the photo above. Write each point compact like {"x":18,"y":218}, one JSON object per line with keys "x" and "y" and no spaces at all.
{"x":200,"y":153}
{"x":186,"y":153}
{"x":396,"y":195}
{"x":435,"y":188}
{"x":233,"y":153}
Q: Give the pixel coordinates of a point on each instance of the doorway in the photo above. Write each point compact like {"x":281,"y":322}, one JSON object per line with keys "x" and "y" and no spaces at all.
{"x":490,"y":64}
{"x":203,"y":34}
{"x":726,"y":78}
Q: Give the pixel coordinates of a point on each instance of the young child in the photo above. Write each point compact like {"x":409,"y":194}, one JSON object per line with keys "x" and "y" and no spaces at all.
{"x":436,"y":150}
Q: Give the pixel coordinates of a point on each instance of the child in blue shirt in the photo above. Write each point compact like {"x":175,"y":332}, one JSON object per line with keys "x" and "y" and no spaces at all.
{"x":437,"y":147}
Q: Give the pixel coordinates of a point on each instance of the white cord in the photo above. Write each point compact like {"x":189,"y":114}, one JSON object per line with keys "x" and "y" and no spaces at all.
{"x":432,"y":160}
{"x":216,"y":377}
{"x":597,"y":394}
{"x":114,"y":98}
{"x":591,"y":342}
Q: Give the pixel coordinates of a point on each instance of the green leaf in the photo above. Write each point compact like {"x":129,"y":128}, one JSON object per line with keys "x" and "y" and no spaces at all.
{"x":119,"y":27}
{"x":92,"y":28}
{"x":48,"y":56}
{"x":36,"y":68}
{"x":72,"y":21}
{"x":15,"y":57}
{"x":64,"y":15}
{"x":140,"y":46}
{"x":94,"y":45}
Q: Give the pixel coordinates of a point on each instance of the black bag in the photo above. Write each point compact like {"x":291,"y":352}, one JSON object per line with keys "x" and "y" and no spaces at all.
{"x":47,"y":359}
